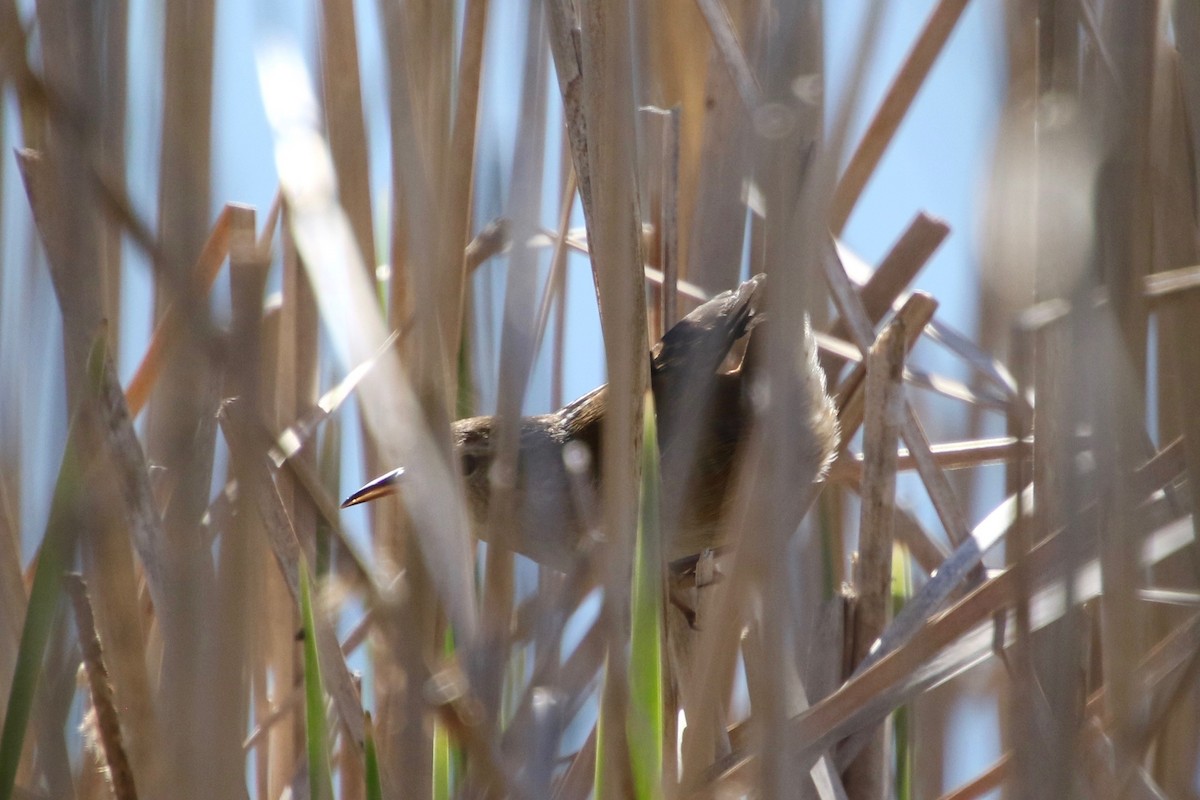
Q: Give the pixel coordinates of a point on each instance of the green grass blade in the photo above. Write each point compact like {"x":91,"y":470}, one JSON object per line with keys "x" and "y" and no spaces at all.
{"x":46,"y":592}
{"x":645,"y":726}
{"x":902,"y":590}
{"x":374,"y":784}
{"x":442,"y":763}
{"x":44,"y":598}
{"x":320,"y":781}
{"x":447,"y":756}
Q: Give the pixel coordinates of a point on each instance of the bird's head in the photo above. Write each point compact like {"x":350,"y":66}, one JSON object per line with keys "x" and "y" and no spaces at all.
{"x":472,"y":452}
{"x":474,"y":447}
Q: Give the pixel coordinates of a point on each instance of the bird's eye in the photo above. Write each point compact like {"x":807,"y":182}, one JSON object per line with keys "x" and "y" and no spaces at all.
{"x":471,"y":464}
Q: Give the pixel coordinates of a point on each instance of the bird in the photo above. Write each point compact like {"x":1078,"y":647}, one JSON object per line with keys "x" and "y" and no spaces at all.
{"x":704,"y":414}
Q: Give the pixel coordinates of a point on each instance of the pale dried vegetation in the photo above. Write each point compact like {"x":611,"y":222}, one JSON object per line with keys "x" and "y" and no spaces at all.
{"x":156,"y":624}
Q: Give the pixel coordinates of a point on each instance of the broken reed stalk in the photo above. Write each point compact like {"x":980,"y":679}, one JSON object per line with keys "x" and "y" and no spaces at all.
{"x":867,"y":775}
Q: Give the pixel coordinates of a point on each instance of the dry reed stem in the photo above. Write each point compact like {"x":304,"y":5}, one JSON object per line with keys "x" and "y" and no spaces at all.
{"x":669,"y":228}
{"x":110,"y":568}
{"x":718,"y":205}
{"x":54,"y":697}
{"x":1184,"y":364}
{"x":267,"y":717}
{"x":990,"y":779}
{"x":568,"y":179}
{"x":111,"y":147}
{"x":784,"y":244}
{"x":893,"y":109}
{"x":492,"y":239}
{"x":948,"y":455}
{"x":267,"y":235}
{"x":130,"y":470}
{"x":1122,"y":620}
{"x":733,"y":57}
{"x":901,"y":674}
{"x":411,"y":192}
{"x":518,"y":349}
{"x":837,"y":351}
{"x":615,"y":238}
{"x":567,"y":681}
{"x":204,"y":273}
{"x":390,"y":406}
{"x":956,"y":390}
{"x":108,"y":723}
{"x":180,"y":427}
{"x":64,"y":227}
{"x":781,"y":245}
{"x":186,"y":158}
{"x":1161,"y":288}
{"x":565,"y":47}
{"x":892,"y":277}
{"x":453,"y":192}
{"x":984,"y":364}
{"x":342,"y":99}
{"x":224,"y":661}
{"x":672,"y":52}
{"x":1044,"y":565}
{"x":43,"y":105}
{"x":67,"y":227}
{"x":577,"y":780}
{"x":1185,"y":18}
{"x":565,"y":597}
{"x":353,"y":566}
{"x":920,"y":240}
{"x":448,"y":695}
{"x":558,"y":266}
{"x":654,"y":277}
{"x":1021,"y":538}
{"x":762,"y":532}
{"x":867,"y":775}
{"x":287,"y":550}
{"x":132,"y":519}
{"x":948,"y":577}
{"x":929,"y":552}
{"x":713,"y":659}
{"x":850,"y":307}
{"x":945,"y":502}
{"x":915,"y":314}
{"x":351,"y":772}
{"x":291,"y":364}
{"x":388,"y":399}
{"x":1165,"y":674}
{"x":1174,"y":653}
{"x":1174,"y":754}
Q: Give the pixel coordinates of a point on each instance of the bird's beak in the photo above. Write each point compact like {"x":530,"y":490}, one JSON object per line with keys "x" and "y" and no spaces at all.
{"x":382,"y":486}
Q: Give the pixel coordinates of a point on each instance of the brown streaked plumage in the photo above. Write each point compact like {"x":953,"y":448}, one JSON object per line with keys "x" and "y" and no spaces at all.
{"x":703,"y":418}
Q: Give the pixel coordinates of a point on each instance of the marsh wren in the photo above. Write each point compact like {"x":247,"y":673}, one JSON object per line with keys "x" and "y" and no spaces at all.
{"x":704,"y":414}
